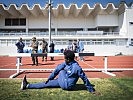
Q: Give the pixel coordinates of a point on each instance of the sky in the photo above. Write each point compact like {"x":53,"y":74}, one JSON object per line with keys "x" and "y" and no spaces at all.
{"x":66,"y":2}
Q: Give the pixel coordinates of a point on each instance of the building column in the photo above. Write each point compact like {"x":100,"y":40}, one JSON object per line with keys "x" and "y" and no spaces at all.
{"x":85,"y":29}
{"x":27,"y":25}
{"x":56,"y":31}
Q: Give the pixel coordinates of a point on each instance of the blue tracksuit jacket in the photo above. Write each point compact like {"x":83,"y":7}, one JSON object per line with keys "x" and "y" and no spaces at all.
{"x":72,"y":73}
{"x":20,"y":47}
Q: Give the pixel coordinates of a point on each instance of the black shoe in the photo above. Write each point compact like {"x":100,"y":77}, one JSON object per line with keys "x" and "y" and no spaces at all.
{"x":45,"y":60}
{"x":24,"y":83}
{"x":52,"y":58}
{"x":33,"y":64}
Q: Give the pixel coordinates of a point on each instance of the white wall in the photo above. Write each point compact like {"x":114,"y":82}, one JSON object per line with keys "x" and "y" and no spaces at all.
{"x":99,"y":50}
{"x":61,"y":22}
{"x":129,"y":19}
{"x":107,"y":20}
{"x":37,"y":22}
{"x":126,"y":28}
{"x":109,"y":50}
{"x":6,"y":50}
{"x":74,"y":22}
{"x":122,"y":24}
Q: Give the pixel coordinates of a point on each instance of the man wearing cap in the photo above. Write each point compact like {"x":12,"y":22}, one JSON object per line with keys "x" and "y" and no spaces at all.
{"x":34,"y":45}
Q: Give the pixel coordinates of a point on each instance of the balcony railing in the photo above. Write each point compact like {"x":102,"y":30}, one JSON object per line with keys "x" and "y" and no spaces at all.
{"x":40,"y":34}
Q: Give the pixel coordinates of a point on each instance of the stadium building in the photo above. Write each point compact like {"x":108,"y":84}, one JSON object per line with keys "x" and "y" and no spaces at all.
{"x":103,"y":29}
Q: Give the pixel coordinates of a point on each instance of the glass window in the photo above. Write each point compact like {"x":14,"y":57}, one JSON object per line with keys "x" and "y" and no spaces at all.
{"x":22,"y":21}
{"x":7,"y":22}
{"x":58,"y":43}
{"x":131,"y":41}
{"x":98,"y":42}
{"x":15,"y":22}
{"x":131,"y":23}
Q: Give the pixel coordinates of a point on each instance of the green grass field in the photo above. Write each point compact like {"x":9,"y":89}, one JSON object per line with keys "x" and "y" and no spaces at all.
{"x":110,"y":89}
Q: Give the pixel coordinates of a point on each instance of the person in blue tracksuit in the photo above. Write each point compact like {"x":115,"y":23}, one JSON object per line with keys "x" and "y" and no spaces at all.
{"x":20,"y":48}
{"x":68,"y":74}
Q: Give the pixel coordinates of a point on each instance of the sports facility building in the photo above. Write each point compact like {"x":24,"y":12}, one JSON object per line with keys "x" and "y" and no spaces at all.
{"x":103,"y":29}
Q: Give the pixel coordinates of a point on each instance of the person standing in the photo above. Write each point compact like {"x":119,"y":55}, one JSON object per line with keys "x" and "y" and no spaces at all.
{"x":80,"y":49}
{"x":68,"y":73}
{"x":44,"y":48}
{"x":20,"y":49}
{"x":34,"y":45}
{"x":69,"y":47}
{"x":51,"y":46}
{"x":75,"y":47}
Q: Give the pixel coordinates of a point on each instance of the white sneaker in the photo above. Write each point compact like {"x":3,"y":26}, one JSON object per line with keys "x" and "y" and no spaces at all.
{"x":19,"y":64}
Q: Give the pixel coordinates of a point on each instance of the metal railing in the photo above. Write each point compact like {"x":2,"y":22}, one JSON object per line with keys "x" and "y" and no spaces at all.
{"x":39,"y":34}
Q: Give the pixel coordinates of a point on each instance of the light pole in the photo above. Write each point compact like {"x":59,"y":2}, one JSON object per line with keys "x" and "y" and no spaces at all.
{"x":49,"y":13}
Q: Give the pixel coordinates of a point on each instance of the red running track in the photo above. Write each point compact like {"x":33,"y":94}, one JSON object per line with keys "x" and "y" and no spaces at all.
{"x":90,"y":62}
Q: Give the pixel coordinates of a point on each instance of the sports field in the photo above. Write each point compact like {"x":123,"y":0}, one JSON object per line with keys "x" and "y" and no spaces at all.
{"x":109,"y":89}
{"x":93,"y":63}
{"x":119,"y":87}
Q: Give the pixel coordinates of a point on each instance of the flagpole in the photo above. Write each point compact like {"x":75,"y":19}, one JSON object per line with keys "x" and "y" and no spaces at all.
{"x":49,"y":9}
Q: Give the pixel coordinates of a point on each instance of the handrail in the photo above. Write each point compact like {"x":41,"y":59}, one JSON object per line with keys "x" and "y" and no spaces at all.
{"x":39,"y":34}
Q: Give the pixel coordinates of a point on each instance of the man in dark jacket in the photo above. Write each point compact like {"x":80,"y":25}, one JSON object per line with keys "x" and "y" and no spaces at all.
{"x":68,"y":74}
{"x":51,"y":46}
{"x":44,"y":45}
{"x":20,"y":46}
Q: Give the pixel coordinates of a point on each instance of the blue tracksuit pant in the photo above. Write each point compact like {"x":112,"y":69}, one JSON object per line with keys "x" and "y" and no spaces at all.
{"x":61,"y":81}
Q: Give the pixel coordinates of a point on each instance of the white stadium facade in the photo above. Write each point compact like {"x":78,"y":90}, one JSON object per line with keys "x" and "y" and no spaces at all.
{"x":103,"y":29}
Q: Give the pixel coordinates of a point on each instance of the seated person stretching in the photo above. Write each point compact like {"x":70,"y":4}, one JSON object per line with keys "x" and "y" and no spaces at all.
{"x":68,"y":74}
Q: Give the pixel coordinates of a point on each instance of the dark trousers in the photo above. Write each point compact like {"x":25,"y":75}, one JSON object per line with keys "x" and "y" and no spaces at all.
{"x":52,"y":58}
{"x":44,"y":51}
{"x":35,"y":59}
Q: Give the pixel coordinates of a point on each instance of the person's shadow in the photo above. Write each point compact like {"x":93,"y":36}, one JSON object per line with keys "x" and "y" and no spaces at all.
{"x":79,"y":87}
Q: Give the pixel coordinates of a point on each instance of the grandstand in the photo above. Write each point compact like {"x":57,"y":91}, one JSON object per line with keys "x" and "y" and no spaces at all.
{"x":103,"y":29}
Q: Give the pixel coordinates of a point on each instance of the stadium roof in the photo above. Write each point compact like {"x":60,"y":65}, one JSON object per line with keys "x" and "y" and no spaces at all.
{"x":73,"y":9}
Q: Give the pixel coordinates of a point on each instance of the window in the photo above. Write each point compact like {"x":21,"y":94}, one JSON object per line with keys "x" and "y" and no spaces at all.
{"x":131,"y":23}
{"x":8,"y":22}
{"x":22,"y":22}
{"x":15,"y":21}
